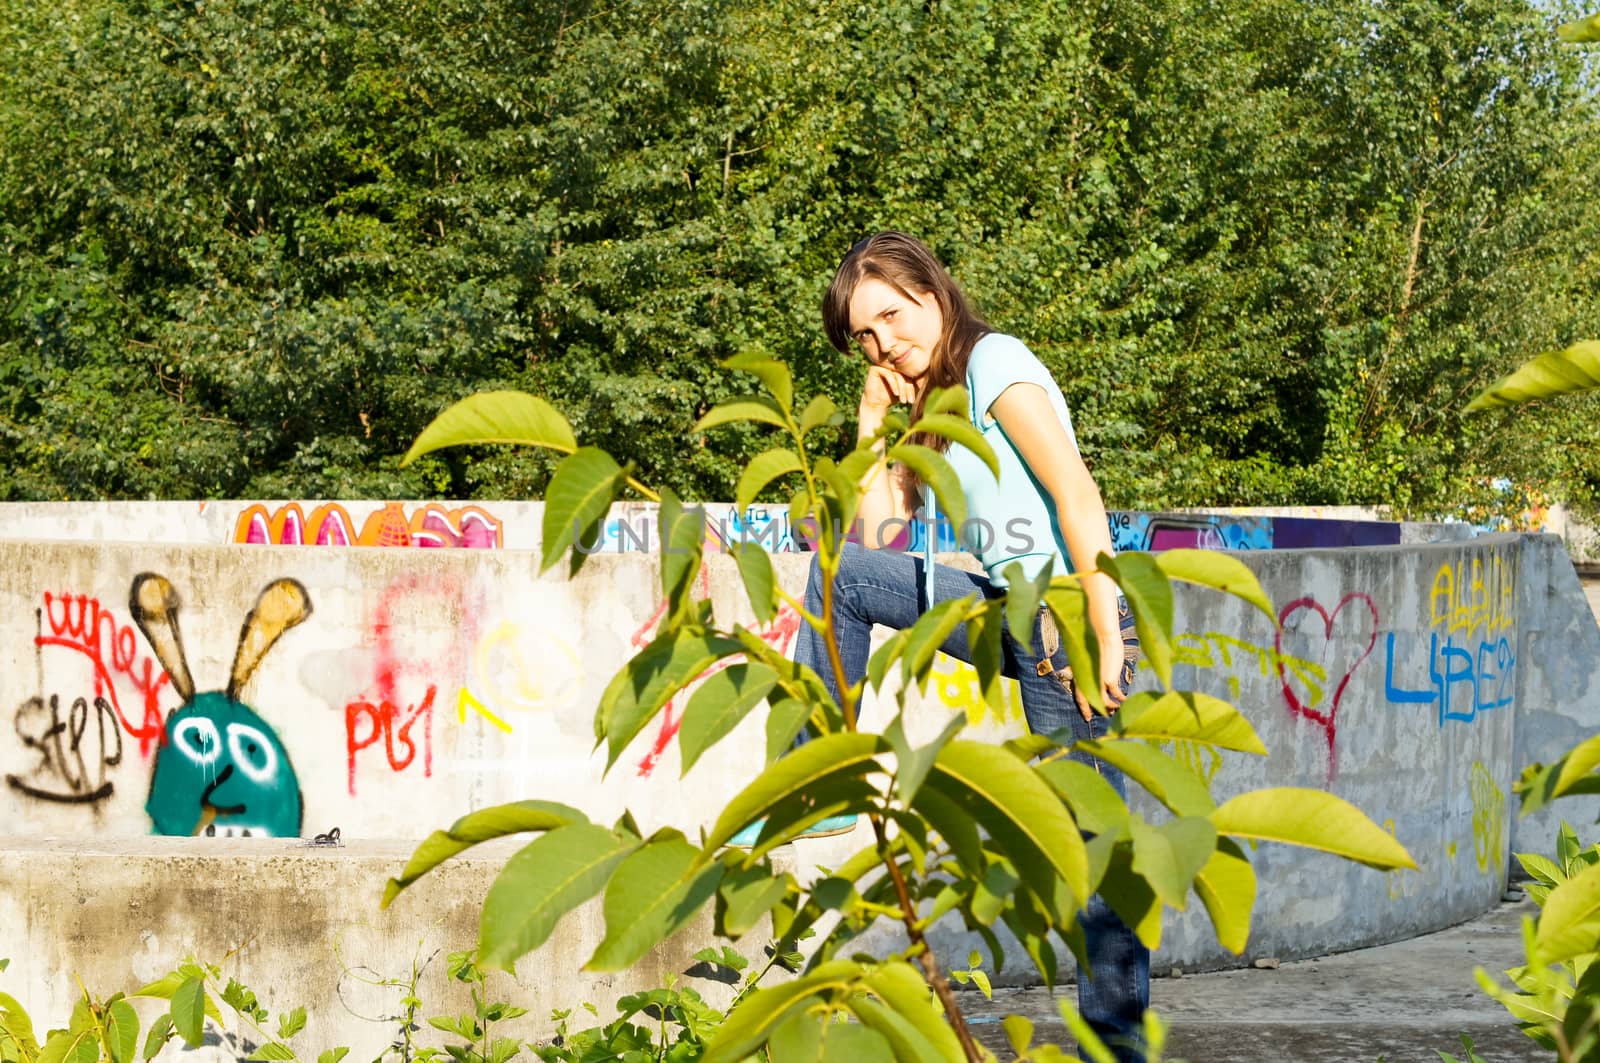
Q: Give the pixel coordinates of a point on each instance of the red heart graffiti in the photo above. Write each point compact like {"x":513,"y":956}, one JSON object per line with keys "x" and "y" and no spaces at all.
{"x":1327,"y":721}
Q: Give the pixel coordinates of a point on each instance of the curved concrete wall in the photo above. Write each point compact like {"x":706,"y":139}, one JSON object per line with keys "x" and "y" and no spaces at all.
{"x":1413,"y":680}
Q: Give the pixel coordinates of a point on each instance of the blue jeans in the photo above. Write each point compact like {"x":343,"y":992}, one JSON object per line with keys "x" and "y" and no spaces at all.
{"x":886,"y":587}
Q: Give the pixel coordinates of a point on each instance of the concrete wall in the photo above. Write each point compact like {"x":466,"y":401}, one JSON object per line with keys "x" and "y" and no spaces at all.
{"x":519,"y":526}
{"x":1412,"y":680}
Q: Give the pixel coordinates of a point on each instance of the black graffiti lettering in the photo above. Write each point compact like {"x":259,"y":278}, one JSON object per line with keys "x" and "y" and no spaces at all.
{"x":62,"y":750}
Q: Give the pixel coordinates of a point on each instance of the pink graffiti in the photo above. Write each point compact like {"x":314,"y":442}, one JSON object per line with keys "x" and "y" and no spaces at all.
{"x":80,"y":623}
{"x":1328,"y":721}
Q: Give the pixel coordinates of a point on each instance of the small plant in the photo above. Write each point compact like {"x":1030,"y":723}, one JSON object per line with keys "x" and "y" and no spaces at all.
{"x":476,"y":1027}
{"x":1555,"y":995}
{"x":1471,"y":1053}
{"x":108,"y":1030}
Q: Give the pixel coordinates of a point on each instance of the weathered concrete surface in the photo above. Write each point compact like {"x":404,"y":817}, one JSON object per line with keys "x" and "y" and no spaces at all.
{"x":301,"y":927}
{"x":426,"y":683}
{"x":1402,"y":1002}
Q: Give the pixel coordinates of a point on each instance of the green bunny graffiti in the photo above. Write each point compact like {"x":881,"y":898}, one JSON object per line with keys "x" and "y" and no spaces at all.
{"x":221,"y":768}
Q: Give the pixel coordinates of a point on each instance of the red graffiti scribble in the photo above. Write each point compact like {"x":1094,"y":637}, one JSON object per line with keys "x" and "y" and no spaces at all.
{"x":80,"y":623}
{"x":779,"y":635}
{"x":1328,"y":721}
{"x":387,"y":721}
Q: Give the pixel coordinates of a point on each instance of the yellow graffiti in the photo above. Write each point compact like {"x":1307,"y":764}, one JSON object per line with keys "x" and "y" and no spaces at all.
{"x":1216,"y":649}
{"x":1450,"y":850}
{"x":1204,"y":760}
{"x":1488,"y":817}
{"x":502,"y":678}
{"x":1397,"y":885}
{"x":956,"y":684}
{"x":465,"y":700}
{"x":1467,"y":597}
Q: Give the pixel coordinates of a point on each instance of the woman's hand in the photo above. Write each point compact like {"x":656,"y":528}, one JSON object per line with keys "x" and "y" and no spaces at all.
{"x":1111,"y":662}
{"x":883,"y":389}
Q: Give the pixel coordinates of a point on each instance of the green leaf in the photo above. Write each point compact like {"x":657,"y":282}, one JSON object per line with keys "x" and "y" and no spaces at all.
{"x":1095,"y":803}
{"x":121,"y":1031}
{"x":70,"y":1046}
{"x":542,"y":882}
{"x":932,"y":469}
{"x":1580,"y":31}
{"x":1022,"y":600}
{"x":758,"y":408}
{"x":1021,"y":813}
{"x":1541,"y":868}
{"x":1579,"y":762}
{"x":496,"y":417}
{"x":816,"y":414}
{"x":1131,"y":895}
{"x":841,"y":755}
{"x":657,"y":891}
{"x":683,"y":543}
{"x":951,"y":400}
{"x":762,"y":470}
{"x":720,"y":703}
{"x":928,"y":635}
{"x":15,"y":1021}
{"x":784,"y":721}
{"x":760,"y":1015}
{"x":1314,"y":819}
{"x":1557,"y":372}
{"x":291,"y":1024}
{"x":1209,"y":568}
{"x":1169,"y":781}
{"x":755,"y":570}
{"x":885,"y":655}
{"x":771,"y":372}
{"x":958,"y":429}
{"x":333,"y":1055}
{"x":906,"y":1042}
{"x":1149,"y":594}
{"x":273,"y":1050}
{"x":1171,"y":855}
{"x":651,"y":679}
{"x":1182,"y":715}
{"x":464,"y":833}
{"x":1069,"y":607}
{"x":577,"y":501}
{"x":912,"y":763}
{"x":156,"y":1039}
{"x":902,"y":989}
{"x":748,"y":893}
{"x":1569,"y":926}
{"x":189,"y":1012}
{"x":1227,"y":887}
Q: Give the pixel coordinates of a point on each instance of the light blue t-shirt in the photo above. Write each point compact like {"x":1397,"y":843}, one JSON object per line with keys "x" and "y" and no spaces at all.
{"x":1014,"y":518}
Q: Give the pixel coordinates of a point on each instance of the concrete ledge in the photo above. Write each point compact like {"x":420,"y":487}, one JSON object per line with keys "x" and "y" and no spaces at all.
{"x":300,"y":926}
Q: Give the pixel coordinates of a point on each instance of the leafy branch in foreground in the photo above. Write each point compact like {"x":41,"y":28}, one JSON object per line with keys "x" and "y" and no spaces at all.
{"x":993,"y":834}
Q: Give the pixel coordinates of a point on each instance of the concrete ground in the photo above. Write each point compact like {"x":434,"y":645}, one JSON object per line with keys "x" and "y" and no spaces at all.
{"x":1402,"y":1003}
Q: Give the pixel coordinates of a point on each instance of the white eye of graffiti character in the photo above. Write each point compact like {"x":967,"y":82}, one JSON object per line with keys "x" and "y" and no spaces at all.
{"x":252,"y":753}
{"x":197,"y":739}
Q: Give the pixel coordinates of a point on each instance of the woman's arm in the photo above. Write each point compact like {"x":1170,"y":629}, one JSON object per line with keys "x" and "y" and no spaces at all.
{"x":1030,"y":422}
{"x":883,"y":494}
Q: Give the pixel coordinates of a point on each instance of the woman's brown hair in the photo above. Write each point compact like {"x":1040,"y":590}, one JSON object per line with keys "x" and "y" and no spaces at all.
{"x":905,"y":264}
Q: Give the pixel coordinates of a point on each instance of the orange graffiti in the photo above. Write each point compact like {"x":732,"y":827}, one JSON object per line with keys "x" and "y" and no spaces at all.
{"x":429,"y":525}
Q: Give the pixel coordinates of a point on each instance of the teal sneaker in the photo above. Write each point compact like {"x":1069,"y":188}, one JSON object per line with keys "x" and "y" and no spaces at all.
{"x":827,"y":827}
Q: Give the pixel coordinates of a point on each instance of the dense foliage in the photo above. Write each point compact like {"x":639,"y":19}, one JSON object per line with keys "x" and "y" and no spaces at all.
{"x":251,"y":247}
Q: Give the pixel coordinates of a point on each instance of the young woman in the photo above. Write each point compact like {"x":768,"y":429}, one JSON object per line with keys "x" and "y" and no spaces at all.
{"x":894,"y":301}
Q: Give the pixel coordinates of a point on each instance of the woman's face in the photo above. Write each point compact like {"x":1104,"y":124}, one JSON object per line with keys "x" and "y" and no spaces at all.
{"x":896,"y":331}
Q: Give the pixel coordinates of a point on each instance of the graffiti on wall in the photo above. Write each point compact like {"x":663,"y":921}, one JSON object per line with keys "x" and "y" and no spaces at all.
{"x":1159,"y":531}
{"x":1342,"y":640}
{"x":396,"y":714}
{"x":502,"y":683}
{"x":1488,"y":818}
{"x":430,"y":525}
{"x":956,"y":685}
{"x":1470,"y":660}
{"x":221,"y":768}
